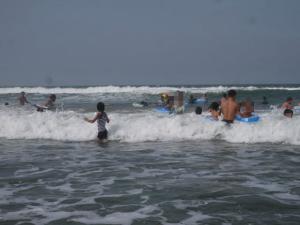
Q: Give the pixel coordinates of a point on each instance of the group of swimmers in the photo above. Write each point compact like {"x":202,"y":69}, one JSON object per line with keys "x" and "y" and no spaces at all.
{"x":49,"y":104}
{"x":229,"y":108}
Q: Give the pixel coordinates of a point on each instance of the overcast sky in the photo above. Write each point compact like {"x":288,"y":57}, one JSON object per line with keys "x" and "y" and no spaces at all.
{"x":71,"y":42}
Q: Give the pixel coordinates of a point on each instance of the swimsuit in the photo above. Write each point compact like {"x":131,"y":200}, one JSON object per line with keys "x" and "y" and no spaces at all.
{"x":101,"y":121}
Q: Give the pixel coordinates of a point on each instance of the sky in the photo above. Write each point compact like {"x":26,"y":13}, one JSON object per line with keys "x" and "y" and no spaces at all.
{"x":149,"y":42}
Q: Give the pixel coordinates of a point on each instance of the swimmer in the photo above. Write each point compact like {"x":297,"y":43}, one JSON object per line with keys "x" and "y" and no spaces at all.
{"x":23,"y":99}
{"x":102,"y":119}
{"x":6,"y":104}
{"x":265,"y":101}
{"x":51,"y":101}
{"x":164,"y":98}
{"x":248,"y":108}
{"x":50,"y":104}
{"x":230,"y":107}
{"x":214,"y":110}
{"x":288,"y":104}
{"x":288,"y":113}
{"x":198,"y":110}
{"x":223,"y":99}
{"x":192,"y":99}
{"x":144,"y":104}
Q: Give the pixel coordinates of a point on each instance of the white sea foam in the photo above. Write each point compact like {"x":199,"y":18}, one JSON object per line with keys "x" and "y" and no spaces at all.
{"x":146,"y":126}
{"x":136,"y":89}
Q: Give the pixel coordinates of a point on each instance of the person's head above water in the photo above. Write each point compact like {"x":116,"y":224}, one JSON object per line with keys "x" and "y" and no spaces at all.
{"x":52,"y":97}
{"x":288,"y":113}
{"x":23,"y":93}
{"x":214,"y":106}
{"x":198,"y":110}
{"x":231,"y":93}
{"x":289,"y":99}
{"x":100,"y":107}
{"x":224,"y":95}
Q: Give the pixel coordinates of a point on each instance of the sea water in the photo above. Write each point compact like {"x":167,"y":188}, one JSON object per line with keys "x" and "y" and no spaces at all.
{"x":156,"y":168}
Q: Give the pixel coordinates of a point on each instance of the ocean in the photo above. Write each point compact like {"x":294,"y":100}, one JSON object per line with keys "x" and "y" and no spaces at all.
{"x":156,"y":168}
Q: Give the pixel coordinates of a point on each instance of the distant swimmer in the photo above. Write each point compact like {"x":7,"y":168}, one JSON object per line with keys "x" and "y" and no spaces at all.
{"x":22,"y":99}
{"x":198,"y":110}
{"x":164,"y":98}
{"x":288,"y":104}
{"x":49,"y":105}
{"x":144,"y":103}
{"x":230,"y":107}
{"x":6,"y":104}
{"x":101,"y":118}
{"x":247,"y":108}
{"x":288,"y":113}
{"x":265,"y":101}
{"x":223,"y":99}
{"x":214,"y":110}
{"x":192,"y":99}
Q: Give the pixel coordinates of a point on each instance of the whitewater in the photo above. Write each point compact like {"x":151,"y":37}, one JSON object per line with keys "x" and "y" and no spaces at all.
{"x":146,"y":126}
{"x":141,"y":89}
{"x":129,"y":124}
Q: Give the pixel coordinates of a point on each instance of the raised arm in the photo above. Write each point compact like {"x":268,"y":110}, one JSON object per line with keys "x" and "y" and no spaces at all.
{"x":94,"y":119}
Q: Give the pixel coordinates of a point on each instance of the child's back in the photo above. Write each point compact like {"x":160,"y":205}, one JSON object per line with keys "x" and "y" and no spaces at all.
{"x":101,"y":119}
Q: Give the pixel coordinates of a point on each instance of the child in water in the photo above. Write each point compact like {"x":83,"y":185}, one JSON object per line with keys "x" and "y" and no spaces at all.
{"x":288,"y":113}
{"x":198,"y":110}
{"x":102,"y":119}
{"x":214,"y":110}
{"x":247,"y":108}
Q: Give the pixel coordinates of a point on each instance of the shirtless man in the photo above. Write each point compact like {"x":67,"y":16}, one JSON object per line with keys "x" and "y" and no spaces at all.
{"x":23,"y":99}
{"x":288,"y":104}
{"x":230,"y":107}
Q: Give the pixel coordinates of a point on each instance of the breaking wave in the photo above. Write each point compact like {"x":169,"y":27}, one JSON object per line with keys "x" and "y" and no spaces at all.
{"x":138,"y":90}
{"x":146,"y":126}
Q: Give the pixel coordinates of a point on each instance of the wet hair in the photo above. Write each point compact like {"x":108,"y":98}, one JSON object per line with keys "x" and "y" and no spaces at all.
{"x":288,"y":111}
{"x":22,"y":93}
{"x":6,"y":103}
{"x":231,"y":93}
{"x":224,"y":95}
{"x":214,"y":106}
{"x":100,"y":107}
{"x":198,"y":110}
{"x":53,"y":97}
{"x":289,"y":99}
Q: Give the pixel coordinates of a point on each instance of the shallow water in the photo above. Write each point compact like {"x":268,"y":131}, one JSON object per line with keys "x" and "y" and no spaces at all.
{"x":189,"y":182}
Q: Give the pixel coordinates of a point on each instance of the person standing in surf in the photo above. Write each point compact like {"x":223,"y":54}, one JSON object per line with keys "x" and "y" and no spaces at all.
{"x":101,"y":118}
{"x":230,"y":107}
{"x":22,"y":99}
